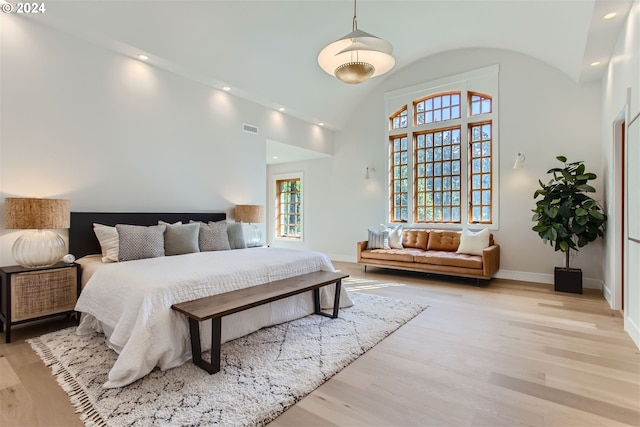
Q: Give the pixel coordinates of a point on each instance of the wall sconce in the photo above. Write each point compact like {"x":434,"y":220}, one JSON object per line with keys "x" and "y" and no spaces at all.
{"x":519,"y":161}
{"x":38,"y":247}
{"x":251,"y":214}
{"x":368,"y":173}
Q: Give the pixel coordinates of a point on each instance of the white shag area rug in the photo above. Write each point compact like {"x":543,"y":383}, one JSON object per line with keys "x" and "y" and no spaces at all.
{"x":261,"y":374}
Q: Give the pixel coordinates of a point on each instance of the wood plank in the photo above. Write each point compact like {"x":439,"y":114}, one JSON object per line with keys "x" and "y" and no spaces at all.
{"x":583,"y":403}
{"x":242,"y":299}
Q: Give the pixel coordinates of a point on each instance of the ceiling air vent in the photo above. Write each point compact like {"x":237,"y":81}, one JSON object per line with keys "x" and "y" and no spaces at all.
{"x":250,"y":128}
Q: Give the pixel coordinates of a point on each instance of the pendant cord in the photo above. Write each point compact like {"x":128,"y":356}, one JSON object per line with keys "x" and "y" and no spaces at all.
{"x":355,"y":18}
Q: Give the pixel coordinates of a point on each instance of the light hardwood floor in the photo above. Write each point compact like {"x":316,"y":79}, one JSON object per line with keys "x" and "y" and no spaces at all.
{"x":507,"y":354}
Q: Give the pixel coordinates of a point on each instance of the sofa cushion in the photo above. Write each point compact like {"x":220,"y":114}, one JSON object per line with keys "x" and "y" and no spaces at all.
{"x":449,"y":258}
{"x":415,"y":239}
{"x":403,"y":255}
{"x":444,"y":241}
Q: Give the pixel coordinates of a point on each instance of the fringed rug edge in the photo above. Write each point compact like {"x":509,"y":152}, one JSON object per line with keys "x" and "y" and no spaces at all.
{"x":77,"y":396}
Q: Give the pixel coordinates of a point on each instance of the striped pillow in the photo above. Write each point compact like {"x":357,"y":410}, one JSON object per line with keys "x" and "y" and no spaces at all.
{"x":378,"y":239}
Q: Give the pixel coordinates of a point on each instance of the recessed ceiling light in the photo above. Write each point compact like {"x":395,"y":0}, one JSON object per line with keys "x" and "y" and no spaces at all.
{"x":321,"y":124}
{"x":142,"y":56}
{"x":275,"y":157}
{"x":281,"y":109}
{"x":226,"y":88}
{"x":595,"y":63}
{"x":610,"y":15}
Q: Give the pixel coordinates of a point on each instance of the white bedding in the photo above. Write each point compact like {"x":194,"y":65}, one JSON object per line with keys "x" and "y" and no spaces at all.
{"x":131,"y":302}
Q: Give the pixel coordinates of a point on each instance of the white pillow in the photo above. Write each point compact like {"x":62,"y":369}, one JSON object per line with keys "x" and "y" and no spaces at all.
{"x":473,"y":243}
{"x":109,"y":242}
{"x":395,"y":236}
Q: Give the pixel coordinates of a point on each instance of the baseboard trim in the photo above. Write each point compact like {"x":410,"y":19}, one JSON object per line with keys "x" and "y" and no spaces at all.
{"x":632,"y":329}
{"x":525,"y":276}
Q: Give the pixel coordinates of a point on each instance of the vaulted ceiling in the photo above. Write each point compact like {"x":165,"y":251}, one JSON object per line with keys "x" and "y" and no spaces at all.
{"x":266,"y":51}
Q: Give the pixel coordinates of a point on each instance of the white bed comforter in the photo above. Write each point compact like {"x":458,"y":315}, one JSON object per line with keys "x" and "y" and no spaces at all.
{"x":131,"y":302}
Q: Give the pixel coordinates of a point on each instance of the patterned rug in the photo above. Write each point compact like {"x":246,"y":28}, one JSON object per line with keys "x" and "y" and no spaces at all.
{"x":261,"y":374}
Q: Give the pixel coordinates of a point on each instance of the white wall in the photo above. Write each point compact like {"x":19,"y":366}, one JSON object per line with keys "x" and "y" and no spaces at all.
{"x":112,"y":133}
{"x":621,"y":94}
{"x":543,"y":114}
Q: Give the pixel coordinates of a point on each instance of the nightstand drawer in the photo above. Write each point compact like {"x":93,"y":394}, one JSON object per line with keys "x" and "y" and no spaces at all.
{"x":41,"y":293}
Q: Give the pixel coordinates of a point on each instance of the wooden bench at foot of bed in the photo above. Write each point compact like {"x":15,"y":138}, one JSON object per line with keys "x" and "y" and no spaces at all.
{"x":217,"y":306}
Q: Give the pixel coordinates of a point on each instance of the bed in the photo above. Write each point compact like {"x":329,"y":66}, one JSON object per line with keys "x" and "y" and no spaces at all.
{"x":130,"y":302}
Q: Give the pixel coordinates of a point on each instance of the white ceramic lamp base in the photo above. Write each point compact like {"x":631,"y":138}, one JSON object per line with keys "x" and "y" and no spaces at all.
{"x":38,"y":248}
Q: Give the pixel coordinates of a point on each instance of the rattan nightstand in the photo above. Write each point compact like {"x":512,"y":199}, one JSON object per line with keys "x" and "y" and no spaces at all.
{"x":28,"y":294}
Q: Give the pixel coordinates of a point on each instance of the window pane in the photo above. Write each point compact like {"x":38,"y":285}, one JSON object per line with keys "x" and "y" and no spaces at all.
{"x":486,"y":214}
{"x":486,"y":197}
{"x":486,"y":164}
{"x":437,"y":190}
{"x":455,"y":180}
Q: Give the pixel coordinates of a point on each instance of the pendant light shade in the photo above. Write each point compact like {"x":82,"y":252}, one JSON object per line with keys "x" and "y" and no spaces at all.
{"x":357,"y":56}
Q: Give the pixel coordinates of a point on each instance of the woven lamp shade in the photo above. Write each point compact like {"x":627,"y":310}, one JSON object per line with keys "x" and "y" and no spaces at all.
{"x":251,"y":214}
{"x":37,"y":214}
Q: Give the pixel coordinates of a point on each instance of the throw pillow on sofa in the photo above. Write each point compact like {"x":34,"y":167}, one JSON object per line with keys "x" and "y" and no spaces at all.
{"x":473,"y":243}
{"x":378,"y":239}
{"x":395,"y":236}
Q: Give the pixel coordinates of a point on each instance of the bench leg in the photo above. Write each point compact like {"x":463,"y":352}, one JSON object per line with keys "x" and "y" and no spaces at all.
{"x":336,"y":301}
{"x":196,"y":349}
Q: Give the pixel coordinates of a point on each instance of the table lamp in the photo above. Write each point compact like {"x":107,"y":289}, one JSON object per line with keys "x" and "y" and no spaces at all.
{"x":38,"y":247}
{"x":252,"y":215}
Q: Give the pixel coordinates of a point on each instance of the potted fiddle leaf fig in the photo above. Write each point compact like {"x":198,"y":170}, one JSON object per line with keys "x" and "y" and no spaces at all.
{"x":568,"y":218}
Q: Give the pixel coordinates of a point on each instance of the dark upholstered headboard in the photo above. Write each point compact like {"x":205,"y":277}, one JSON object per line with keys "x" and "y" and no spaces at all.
{"x":83,"y":241}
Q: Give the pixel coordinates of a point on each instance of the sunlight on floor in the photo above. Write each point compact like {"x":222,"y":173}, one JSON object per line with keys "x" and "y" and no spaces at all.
{"x":359,"y":284}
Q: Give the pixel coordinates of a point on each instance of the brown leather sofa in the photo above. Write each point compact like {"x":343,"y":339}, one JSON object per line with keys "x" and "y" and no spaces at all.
{"x":433,"y":251}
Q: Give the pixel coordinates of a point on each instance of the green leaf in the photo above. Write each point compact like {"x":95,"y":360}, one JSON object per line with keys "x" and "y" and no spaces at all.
{"x":582,"y":220}
{"x":563,"y":159}
{"x":596,"y":214}
{"x":586,"y":188}
{"x":581,"y":212}
{"x":553,"y":211}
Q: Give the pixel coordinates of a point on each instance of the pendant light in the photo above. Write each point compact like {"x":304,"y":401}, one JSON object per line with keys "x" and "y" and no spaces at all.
{"x":357,"y":56}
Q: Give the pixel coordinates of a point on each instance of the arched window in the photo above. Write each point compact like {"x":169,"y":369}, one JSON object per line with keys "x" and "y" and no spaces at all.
{"x":399,"y":119}
{"x":444,"y":157}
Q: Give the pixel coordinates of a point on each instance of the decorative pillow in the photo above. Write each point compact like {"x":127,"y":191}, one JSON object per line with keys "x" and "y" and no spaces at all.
{"x":213,"y":236}
{"x":181,"y":238}
{"x":139,"y":242}
{"x":378,"y":239}
{"x":108,"y":238}
{"x":395,"y":236}
{"x":236,"y":235}
{"x":473,"y":243}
